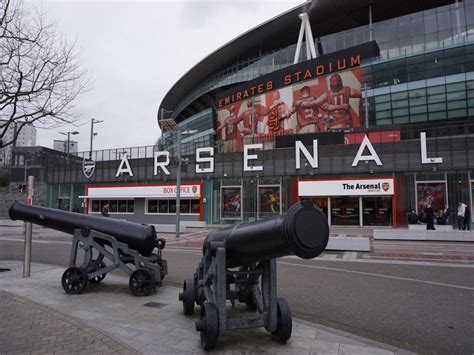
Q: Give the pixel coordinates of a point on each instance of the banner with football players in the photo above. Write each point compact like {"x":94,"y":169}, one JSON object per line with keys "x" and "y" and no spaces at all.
{"x":327,"y":103}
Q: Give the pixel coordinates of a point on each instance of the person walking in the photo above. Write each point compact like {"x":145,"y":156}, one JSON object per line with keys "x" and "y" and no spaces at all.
{"x":461,"y":211}
{"x":105,"y":210}
{"x":467,"y":218}
{"x":429,"y":218}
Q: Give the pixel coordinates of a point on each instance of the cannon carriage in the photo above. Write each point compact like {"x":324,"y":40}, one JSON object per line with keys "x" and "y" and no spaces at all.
{"x":239,"y":265}
{"x":107,"y":244}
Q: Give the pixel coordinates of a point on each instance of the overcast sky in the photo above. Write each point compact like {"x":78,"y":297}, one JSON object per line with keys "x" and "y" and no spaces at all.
{"x":136,"y":50}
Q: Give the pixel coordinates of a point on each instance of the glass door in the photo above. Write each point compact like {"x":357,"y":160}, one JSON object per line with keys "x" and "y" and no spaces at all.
{"x":377,"y":211}
{"x":345,"y":211}
{"x":321,"y":203}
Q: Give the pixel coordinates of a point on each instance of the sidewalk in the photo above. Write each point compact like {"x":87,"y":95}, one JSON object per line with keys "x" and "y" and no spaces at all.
{"x":106,"y":318}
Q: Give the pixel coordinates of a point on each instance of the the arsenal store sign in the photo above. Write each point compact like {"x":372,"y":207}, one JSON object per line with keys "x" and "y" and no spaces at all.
{"x":346,"y":187}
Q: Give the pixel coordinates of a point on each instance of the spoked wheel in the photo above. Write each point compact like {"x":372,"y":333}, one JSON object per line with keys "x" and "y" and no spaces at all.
{"x":74,"y":280}
{"x":99,"y":278}
{"x":187,"y":297}
{"x":284,"y":323}
{"x":208,"y":325}
{"x":142,"y":282}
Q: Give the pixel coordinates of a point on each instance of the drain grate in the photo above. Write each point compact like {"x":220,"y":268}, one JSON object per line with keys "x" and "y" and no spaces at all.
{"x":5,"y":270}
{"x":155,"y":304}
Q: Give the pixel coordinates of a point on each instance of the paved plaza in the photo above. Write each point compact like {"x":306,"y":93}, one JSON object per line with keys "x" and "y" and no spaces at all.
{"x":38,"y":316}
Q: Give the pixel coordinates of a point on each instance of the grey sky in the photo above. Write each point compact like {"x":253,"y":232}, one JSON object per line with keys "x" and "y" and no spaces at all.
{"x":136,"y":50}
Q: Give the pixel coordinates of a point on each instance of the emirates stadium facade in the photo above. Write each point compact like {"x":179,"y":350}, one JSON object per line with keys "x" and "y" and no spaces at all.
{"x":399,"y":73}
{"x":366,"y":107}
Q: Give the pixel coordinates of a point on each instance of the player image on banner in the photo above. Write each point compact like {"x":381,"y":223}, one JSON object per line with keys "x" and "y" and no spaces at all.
{"x":307,"y":100}
{"x":343,"y":101}
{"x":227,"y":129}
{"x":237,"y":123}
{"x":433,"y":193}
{"x":277,"y":118}
{"x":269,"y":201}
{"x":231,"y":202}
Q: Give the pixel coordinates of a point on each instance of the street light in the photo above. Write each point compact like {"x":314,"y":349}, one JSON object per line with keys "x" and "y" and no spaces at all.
{"x":166,"y":126}
{"x":68,"y":134}
{"x":93,"y":120}
{"x":180,"y":132}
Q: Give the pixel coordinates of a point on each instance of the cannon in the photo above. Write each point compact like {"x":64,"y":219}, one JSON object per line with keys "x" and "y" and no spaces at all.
{"x":239,"y":264}
{"x":128,"y":246}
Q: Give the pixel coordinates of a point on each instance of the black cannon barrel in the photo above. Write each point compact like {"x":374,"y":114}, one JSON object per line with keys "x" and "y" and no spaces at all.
{"x":139,"y":237}
{"x":302,"y":231}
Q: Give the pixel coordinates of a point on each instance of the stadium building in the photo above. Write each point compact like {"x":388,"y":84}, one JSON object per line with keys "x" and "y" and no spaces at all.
{"x":366,"y":107}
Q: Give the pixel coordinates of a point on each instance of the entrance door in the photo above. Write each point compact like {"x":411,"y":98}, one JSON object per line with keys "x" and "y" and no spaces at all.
{"x":322,"y":203}
{"x":345,"y":211}
{"x":377,"y":211}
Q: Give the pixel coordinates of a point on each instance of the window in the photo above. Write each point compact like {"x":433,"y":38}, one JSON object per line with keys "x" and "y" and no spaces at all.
{"x":185,"y":206}
{"x":152,"y":206}
{"x":195,"y":206}
{"x":115,"y":206}
{"x":122,"y":206}
{"x":163,"y":206}
{"x":169,"y":206}
{"x":95,"y":205}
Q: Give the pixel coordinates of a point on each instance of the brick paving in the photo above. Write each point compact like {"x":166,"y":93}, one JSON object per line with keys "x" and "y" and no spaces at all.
{"x":27,"y":327}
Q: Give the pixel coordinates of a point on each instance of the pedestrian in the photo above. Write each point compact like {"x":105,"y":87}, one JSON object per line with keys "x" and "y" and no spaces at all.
{"x":467,"y":218}
{"x":429,"y":218}
{"x":446,"y":215}
{"x":105,"y":210}
{"x":461,"y":211}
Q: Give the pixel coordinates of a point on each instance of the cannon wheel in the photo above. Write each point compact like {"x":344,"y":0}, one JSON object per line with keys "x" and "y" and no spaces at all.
{"x":142,"y":282}
{"x":208,"y":325}
{"x":99,"y":278}
{"x":284,"y":322}
{"x":74,"y":280}
{"x":187,"y":297}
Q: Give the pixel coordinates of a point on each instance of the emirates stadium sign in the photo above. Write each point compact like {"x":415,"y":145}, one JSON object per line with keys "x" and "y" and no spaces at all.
{"x":315,"y":96}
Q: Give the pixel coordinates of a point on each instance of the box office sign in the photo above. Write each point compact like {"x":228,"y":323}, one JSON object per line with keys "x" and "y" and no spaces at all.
{"x":357,"y":187}
{"x":150,"y":191}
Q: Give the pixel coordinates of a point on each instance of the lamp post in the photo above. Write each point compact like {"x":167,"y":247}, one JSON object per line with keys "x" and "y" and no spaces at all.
{"x":179,"y":132}
{"x":68,"y":134}
{"x":167,"y":125}
{"x":93,"y":120}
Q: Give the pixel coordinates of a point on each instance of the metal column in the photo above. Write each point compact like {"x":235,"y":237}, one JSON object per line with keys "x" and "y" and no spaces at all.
{"x":28,"y":233}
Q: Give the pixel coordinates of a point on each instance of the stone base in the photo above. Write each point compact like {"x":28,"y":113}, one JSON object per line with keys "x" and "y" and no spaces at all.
{"x":349,"y":243}
{"x":436,"y":235}
{"x":422,"y":227}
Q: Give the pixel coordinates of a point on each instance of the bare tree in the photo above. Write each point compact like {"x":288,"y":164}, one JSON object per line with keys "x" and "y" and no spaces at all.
{"x":40,"y":78}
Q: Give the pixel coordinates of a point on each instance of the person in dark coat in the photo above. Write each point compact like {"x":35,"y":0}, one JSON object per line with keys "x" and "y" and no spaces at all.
{"x":429,"y":218}
{"x":467,"y":218}
{"x":105,"y":210}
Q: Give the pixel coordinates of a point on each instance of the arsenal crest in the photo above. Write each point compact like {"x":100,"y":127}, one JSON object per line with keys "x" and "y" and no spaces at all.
{"x":88,"y":167}
{"x":385,"y":186}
